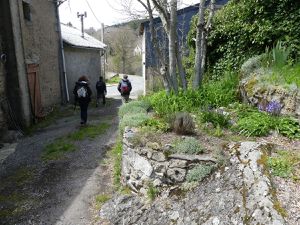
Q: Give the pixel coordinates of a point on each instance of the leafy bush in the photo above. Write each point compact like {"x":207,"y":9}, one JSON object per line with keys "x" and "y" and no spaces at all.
{"x":183,"y":123}
{"x":165,"y":104}
{"x":288,"y":127}
{"x":255,"y":124}
{"x":156,"y":124}
{"x":215,"y":93}
{"x":217,"y":119}
{"x":244,"y":28}
{"x":221,"y":92}
{"x":199,"y":172}
{"x":189,"y":145}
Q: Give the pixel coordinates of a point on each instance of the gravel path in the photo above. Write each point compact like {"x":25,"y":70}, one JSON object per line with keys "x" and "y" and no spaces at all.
{"x":33,"y":191}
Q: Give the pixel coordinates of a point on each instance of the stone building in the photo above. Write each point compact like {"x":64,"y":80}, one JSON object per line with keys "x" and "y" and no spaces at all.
{"x":30,"y":77}
{"x":82,"y":54}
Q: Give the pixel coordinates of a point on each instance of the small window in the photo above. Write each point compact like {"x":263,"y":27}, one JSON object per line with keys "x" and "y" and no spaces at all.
{"x":26,"y":11}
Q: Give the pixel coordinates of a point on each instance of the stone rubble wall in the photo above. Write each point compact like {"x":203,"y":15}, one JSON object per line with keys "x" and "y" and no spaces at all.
{"x":252,"y":93}
{"x":154,"y":165}
{"x":242,"y":193}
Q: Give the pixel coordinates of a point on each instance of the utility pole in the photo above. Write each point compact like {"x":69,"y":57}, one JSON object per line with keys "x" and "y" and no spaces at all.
{"x":104,"y":54}
{"x":82,"y":16}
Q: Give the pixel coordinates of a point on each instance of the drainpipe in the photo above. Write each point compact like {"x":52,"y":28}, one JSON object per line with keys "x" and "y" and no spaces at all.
{"x":61,"y":45}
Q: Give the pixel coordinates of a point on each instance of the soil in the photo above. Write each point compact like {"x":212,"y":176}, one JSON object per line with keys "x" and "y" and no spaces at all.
{"x":34,"y":191}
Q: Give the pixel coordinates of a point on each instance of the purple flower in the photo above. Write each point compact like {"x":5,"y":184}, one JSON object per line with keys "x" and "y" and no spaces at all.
{"x":273,"y":108}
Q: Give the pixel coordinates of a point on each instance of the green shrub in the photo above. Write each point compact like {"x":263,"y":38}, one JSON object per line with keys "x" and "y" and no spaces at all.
{"x":288,"y":127}
{"x":134,"y":107}
{"x":214,"y":93}
{"x":217,"y":119}
{"x":114,"y":80}
{"x":256,"y":25}
{"x":164,"y":104}
{"x":183,"y":123}
{"x":221,"y":92}
{"x":188,"y":145}
{"x":199,"y":172}
{"x":244,"y":28}
{"x":156,"y":124}
{"x":255,"y":124}
{"x":133,"y":120}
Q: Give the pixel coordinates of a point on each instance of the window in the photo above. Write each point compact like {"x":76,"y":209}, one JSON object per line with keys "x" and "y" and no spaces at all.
{"x":26,"y":11}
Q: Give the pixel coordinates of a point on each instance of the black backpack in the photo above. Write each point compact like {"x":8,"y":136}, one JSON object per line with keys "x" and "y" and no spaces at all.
{"x":100,"y":86}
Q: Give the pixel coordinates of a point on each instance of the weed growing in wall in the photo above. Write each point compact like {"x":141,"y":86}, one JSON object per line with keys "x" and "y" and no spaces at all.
{"x":188,"y":145}
{"x":199,"y":172}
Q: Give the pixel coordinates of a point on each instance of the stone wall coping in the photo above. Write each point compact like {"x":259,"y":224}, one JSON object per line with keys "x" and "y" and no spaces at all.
{"x":193,"y":158}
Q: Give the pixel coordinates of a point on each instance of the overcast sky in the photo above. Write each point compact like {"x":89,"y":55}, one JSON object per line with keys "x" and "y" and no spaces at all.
{"x":108,"y":12}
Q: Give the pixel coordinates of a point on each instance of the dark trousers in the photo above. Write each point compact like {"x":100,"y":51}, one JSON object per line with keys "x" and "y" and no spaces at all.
{"x":83,"y":111}
{"x":99,"y":96}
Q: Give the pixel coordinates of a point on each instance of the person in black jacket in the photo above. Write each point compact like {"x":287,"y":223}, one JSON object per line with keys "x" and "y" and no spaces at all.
{"x":125,"y":88}
{"x":82,"y":93}
{"x":101,"y":91}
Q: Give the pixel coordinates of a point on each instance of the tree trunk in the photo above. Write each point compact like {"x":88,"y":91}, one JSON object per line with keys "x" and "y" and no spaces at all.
{"x":163,"y":67}
{"x":172,"y":45}
{"x":201,"y":42}
{"x":181,"y":68}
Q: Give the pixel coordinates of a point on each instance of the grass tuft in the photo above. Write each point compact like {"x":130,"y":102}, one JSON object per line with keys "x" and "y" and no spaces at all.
{"x":57,"y":149}
{"x":152,"y":192}
{"x":90,"y":131}
{"x":117,"y":168}
{"x":101,"y":199}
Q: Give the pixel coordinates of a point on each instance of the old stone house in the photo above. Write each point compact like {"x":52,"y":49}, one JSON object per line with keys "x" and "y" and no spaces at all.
{"x":82,"y":54}
{"x":30,"y":77}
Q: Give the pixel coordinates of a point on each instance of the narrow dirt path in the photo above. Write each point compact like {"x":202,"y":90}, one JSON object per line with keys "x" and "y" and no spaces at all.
{"x":34,"y":191}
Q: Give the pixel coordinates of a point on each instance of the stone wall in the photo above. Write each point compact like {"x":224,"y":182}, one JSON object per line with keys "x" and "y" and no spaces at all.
{"x":155,"y":165}
{"x":3,"y":125}
{"x":41,"y":46}
{"x":241,"y":193}
{"x":80,"y":61}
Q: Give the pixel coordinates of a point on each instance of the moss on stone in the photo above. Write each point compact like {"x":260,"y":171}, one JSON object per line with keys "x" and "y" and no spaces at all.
{"x":250,"y":84}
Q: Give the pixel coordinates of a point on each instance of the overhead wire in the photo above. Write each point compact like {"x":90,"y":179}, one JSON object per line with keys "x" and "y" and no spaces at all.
{"x":93,"y":12}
